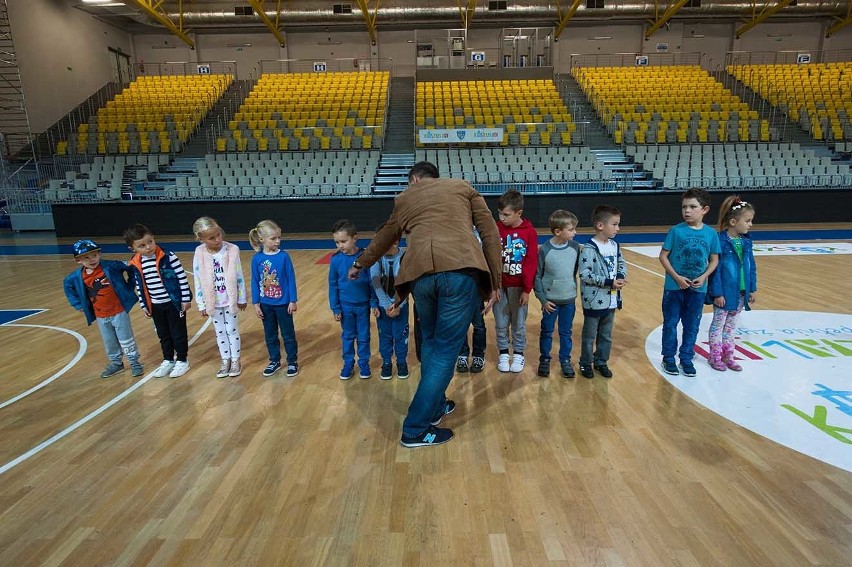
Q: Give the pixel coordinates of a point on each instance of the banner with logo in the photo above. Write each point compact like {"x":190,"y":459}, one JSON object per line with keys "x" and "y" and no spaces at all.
{"x":461,"y":136}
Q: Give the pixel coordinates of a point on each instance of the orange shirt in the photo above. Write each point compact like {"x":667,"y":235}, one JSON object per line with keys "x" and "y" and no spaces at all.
{"x":104,"y":299}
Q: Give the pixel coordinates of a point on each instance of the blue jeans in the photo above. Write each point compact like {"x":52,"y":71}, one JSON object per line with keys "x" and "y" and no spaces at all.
{"x":445,"y":304}
{"x":393,"y":335}
{"x":117,"y":335}
{"x":355,"y":322}
{"x":681,"y":306}
{"x":478,"y":342}
{"x":565,"y":315}
{"x":275,"y":317}
{"x":597,"y":339}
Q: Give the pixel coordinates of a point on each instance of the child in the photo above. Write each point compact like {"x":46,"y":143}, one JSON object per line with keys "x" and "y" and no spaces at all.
{"x":101,"y":290}
{"x":351,"y":300}
{"x":392,"y":322}
{"x":733,"y":285}
{"x":273,"y":294}
{"x":519,"y":242}
{"x":689,"y":255}
{"x":556,"y":289}
{"x":476,"y":348}
{"x":164,"y":295}
{"x":220,"y":290}
{"x":602,"y":277}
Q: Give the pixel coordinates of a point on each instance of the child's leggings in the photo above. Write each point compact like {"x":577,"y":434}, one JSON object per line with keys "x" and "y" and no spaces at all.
{"x":724,"y":322}
{"x":227,"y":334}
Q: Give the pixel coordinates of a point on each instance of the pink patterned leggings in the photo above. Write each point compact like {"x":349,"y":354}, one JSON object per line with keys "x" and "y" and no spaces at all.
{"x":724,"y":322}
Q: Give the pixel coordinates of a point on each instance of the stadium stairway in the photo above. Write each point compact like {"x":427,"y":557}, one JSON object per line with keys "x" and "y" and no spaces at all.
{"x":222,"y":111}
{"x":626,"y":174}
{"x":583,"y":112}
{"x":399,"y":135}
{"x":392,"y":173}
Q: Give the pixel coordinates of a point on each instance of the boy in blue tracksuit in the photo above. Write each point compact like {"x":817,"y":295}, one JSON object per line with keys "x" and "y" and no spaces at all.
{"x":392,"y":321}
{"x":351,"y":301}
{"x":103,"y":291}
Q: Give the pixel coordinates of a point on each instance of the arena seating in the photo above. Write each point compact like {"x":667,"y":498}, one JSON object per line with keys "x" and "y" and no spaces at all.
{"x":310,"y":111}
{"x":155,"y":114}
{"x":530,"y":111}
{"x":103,"y":178}
{"x":656,"y":105}
{"x":740,"y":165}
{"x":818,"y":95}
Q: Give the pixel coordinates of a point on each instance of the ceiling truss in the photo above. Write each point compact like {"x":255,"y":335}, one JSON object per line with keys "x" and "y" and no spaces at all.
{"x":154,"y":9}
{"x":767,"y":11}
{"x":661,"y":20}
{"x":370,"y":19}
{"x":563,"y":19}
{"x":274,"y":27}
{"x":841,"y":22}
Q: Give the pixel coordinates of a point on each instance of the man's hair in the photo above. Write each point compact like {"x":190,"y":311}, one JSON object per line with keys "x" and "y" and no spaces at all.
{"x":702,"y":196}
{"x":136,"y":232}
{"x":344,"y":225}
{"x":511,"y":199}
{"x":602,"y":213}
{"x":560,"y":218}
{"x":423,"y":169}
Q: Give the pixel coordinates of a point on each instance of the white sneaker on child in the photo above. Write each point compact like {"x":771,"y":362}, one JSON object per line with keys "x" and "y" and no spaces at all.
{"x":179,"y":369}
{"x":517,"y":363}
{"x":164,"y":369}
{"x":503,"y":363}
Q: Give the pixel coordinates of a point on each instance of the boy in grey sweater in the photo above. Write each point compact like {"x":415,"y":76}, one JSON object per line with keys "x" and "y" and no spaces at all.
{"x":556,"y":289}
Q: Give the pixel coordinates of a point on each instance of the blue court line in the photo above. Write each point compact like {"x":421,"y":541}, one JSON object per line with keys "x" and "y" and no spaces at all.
{"x":328,"y":244}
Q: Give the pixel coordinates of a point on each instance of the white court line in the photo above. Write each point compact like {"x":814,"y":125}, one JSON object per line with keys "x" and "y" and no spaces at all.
{"x":87,"y":418}
{"x":645,"y":269}
{"x":80,"y":352}
{"x":35,"y":312}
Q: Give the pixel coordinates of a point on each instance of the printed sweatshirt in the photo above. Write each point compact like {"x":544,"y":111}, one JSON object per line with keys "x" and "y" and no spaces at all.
{"x":519,"y":250}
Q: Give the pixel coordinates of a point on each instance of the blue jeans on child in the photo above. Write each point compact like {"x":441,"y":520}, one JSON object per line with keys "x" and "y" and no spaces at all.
{"x":445,"y":304}
{"x":597,"y":339}
{"x":355,"y":322}
{"x":565,"y":315}
{"x":275,"y":318}
{"x":684,"y":306}
{"x":393,"y":335}
{"x":117,"y":335}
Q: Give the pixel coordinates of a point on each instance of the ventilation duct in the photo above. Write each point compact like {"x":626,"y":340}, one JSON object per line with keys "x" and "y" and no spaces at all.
{"x":445,"y":13}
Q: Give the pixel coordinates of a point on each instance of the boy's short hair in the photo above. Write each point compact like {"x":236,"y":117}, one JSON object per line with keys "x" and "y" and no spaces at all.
{"x":602,"y":213}
{"x":560,"y":218}
{"x":136,"y":232}
{"x":511,"y":199}
{"x":423,"y":169}
{"x":700,"y":195}
{"x":344,"y":225}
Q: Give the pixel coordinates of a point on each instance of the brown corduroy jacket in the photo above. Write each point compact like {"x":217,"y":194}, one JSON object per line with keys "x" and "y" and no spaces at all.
{"x":436,"y":217}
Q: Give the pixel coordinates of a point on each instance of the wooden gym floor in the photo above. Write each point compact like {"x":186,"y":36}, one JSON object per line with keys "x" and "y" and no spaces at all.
{"x":309,"y":470}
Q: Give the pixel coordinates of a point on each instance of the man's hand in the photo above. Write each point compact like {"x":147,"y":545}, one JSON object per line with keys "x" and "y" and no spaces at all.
{"x":354,"y":273}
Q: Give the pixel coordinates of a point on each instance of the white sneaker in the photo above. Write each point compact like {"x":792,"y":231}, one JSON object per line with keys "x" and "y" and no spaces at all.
{"x":164,"y":369}
{"x":179,"y":369}
{"x":503,"y":363}
{"x":517,"y":363}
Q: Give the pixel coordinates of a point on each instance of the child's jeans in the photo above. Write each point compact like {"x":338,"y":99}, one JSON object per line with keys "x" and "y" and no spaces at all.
{"x":118,"y":338}
{"x":355,"y":322}
{"x":275,"y":318}
{"x":565,"y":315}
{"x":393,"y":335}
{"x":681,"y":306}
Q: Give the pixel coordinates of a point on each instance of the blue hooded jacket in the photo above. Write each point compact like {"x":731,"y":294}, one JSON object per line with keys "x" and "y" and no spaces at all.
{"x":119,"y":276}
{"x":725,"y":279}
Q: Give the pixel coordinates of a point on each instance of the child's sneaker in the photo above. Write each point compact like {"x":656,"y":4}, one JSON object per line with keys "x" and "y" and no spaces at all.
{"x":449,"y":407}
{"x":517,"y":363}
{"x":688,"y":369}
{"x":224,"y":368}
{"x":236,"y":368}
{"x":586,"y":371}
{"x":669,"y":367}
{"x":503,"y":363}
{"x":567,"y":370}
{"x":271,"y":369}
{"x":401,"y":370}
{"x":164,"y":369}
{"x":181,"y":367}
{"x":387,"y":371}
{"x":544,"y":367}
{"x":136,"y":369}
{"x":112,"y":369}
{"x":364,"y":371}
{"x":432,"y":436}
{"x":292,"y":369}
{"x":477,"y":365}
{"x":347,"y":371}
{"x":604,"y":370}
{"x":461,"y":365}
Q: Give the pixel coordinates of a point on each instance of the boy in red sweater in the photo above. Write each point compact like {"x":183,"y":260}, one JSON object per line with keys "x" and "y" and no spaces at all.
{"x":519,"y":242}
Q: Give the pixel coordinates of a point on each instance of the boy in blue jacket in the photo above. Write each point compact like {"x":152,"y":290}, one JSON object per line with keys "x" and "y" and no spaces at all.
{"x":103,"y":291}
